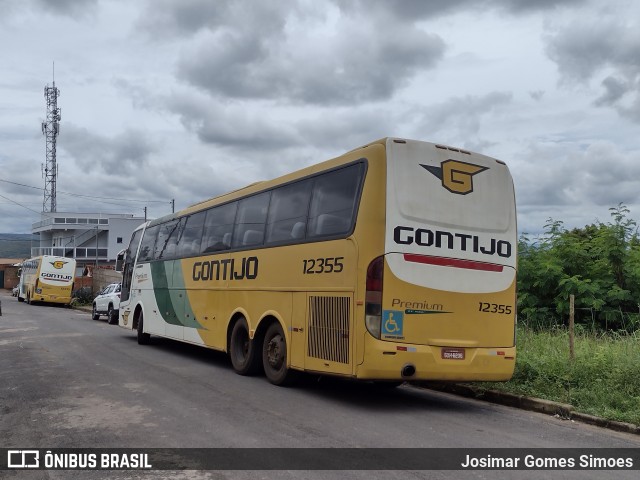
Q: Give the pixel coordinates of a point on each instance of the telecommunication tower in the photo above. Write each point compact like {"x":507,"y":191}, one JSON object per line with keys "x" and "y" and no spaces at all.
{"x":51,"y":129}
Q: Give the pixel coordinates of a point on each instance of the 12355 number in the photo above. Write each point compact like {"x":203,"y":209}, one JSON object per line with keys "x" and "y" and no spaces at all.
{"x":494,"y":308}
{"x":322,"y":265}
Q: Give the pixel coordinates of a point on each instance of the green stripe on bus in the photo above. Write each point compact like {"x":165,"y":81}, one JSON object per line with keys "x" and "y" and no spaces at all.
{"x":173,"y":303}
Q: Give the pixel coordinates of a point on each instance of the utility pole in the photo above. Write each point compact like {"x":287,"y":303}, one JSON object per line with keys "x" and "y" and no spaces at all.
{"x":96,"y":248}
{"x":173,"y":205}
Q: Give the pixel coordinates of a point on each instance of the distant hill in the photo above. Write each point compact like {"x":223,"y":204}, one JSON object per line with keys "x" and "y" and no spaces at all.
{"x":17,"y":245}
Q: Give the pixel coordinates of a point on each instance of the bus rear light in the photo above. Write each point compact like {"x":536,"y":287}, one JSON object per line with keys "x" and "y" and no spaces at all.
{"x":373,"y":297}
{"x":373,"y":323}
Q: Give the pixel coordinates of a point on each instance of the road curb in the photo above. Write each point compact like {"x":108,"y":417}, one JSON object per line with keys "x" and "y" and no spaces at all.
{"x":83,"y":308}
{"x":540,"y":405}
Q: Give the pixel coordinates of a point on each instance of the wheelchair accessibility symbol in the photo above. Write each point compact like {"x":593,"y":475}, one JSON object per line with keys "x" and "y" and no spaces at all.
{"x":392,"y":323}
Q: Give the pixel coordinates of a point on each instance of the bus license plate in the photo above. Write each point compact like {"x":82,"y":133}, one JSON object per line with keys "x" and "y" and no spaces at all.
{"x":452,"y":353}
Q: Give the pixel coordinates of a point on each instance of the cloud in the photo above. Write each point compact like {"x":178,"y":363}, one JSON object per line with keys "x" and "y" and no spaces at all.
{"x":412,"y":10}
{"x":603,"y":45}
{"x":537,"y":94}
{"x":580,"y":183}
{"x":297,"y":52}
{"x":405,"y":10}
{"x":67,"y":8}
{"x":119,"y":155}
{"x":231,"y":124}
{"x":262,"y":128}
{"x":525,"y":6}
{"x":576,"y":186}
{"x":70,"y":8}
{"x":344,"y":69}
{"x":460,"y":117}
{"x":185,"y":16}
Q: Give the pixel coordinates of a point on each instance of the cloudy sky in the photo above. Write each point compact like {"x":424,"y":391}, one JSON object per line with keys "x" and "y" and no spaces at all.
{"x":187,"y":99}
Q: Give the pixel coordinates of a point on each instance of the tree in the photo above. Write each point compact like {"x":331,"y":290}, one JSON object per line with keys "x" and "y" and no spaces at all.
{"x":599,"y":264}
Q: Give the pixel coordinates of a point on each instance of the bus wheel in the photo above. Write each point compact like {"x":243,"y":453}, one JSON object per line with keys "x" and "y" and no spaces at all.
{"x":111,"y":316}
{"x":143,"y":338}
{"x":94,"y":313}
{"x":241,"y":350}
{"x":274,"y":357}
{"x":20,"y":299}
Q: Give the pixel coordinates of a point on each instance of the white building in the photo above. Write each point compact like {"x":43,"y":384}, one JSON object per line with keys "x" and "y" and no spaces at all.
{"x":90,"y":238}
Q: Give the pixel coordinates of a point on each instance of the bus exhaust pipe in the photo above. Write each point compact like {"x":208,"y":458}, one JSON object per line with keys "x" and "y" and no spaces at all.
{"x":408,"y":370}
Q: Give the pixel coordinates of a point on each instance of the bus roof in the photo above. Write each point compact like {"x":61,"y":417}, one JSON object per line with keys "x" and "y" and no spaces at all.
{"x":259,"y":186}
{"x":266,"y":184}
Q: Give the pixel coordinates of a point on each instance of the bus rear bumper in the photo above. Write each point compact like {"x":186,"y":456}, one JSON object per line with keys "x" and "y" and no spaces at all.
{"x":396,"y":361}
{"x":44,"y":298}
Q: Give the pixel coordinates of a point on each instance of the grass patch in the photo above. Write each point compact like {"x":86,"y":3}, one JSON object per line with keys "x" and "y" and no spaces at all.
{"x":603,"y":380}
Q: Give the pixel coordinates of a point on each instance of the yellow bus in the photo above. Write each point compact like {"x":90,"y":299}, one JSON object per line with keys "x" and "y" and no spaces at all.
{"x":393,"y":262}
{"x":47,"y":279}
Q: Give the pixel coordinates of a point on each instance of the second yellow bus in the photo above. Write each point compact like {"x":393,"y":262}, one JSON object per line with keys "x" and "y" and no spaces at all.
{"x":47,"y":279}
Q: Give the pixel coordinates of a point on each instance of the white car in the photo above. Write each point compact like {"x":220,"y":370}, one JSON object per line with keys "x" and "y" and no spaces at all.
{"x":107,"y":302}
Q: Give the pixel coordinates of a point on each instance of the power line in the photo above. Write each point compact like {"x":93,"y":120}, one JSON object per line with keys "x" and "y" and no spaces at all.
{"x":85,"y":196}
{"x":23,"y":206}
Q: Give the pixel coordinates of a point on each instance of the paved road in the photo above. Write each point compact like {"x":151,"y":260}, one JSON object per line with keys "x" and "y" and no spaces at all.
{"x":69,"y":381}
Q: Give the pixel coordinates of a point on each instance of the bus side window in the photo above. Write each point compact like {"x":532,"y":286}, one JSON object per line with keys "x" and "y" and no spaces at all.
{"x":328,"y":224}
{"x":218,"y":226}
{"x":288,"y":210}
{"x":147,"y":245}
{"x":189,"y":241}
{"x":166,"y":242}
{"x":297,"y":231}
{"x":251,"y":220}
{"x":333,"y":202}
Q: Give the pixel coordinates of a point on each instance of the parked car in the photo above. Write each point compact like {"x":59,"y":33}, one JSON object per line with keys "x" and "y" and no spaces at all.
{"x":14,"y":292}
{"x":107,"y":302}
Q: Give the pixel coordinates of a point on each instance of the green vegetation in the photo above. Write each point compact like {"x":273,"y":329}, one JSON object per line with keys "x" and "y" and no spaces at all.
{"x":603,"y":379}
{"x":600,"y":265}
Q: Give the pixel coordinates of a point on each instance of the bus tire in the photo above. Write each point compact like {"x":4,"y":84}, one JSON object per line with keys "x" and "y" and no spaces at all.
{"x":143,"y":338}
{"x":111,"y":317}
{"x":274,"y":357}
{"x":94,"y":313}
{"x":20,"y":299}
{"x":242,"y":351}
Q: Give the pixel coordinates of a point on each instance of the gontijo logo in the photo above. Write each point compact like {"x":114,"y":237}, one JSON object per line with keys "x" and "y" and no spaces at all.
{"x":58,"y":264}
{"x":457,"y":177}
